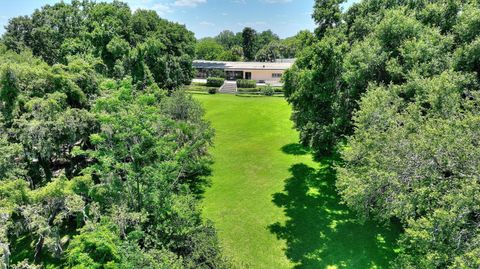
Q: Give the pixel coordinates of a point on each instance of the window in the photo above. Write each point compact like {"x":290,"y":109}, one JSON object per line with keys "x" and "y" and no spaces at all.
{"x":276,"y":75}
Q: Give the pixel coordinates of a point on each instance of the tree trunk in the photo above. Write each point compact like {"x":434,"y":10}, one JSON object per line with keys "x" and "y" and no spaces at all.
{"x":38,"y":249}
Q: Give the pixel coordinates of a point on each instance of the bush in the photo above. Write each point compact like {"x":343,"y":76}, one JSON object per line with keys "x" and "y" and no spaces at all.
{"x":212,"y":90}
{"x":215,"y":82}
{"x":218,"y":73}
{"x":268,"y":91}
{"x":196,"y":88}
{"x":198,"y":84}
{"x":246,"y":83}
{"x":248,"y":89}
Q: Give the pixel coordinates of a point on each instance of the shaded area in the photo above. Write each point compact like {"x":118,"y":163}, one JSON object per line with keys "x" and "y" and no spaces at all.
{"x":322,"y":233}
{"x":295,"y":149}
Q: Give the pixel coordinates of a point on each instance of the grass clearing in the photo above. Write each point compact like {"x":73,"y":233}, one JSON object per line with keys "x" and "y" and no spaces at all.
{"x":273,"y":206}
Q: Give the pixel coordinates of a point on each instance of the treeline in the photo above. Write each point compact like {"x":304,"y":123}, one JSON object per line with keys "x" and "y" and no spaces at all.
{"x":101,"y":163}
{"x":394,"y":86}
{"x":139,"y":44}
{"x":249,"y":45}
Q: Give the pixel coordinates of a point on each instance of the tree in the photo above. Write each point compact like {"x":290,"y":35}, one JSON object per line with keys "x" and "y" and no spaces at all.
{"x":228,"y":39}
{"x":294,"y":45}
{"x":312,"y":86}
{"x":393,"y":85}
{"x":395,"y":168}
{"x":18,"y":33}
{"x":271,"y":52}
{"x":209,"y":49}
{"x":265,"y":38}
{"x":327,"y":14}
{"x":237,"y":51}
{"x":8,"y":94}
{"x":101,"y":160}
{"x":106,"y":31}
{"x":249,"y":38}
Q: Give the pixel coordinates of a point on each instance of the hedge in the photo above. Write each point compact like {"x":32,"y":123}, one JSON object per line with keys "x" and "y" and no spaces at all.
{"x":215,"y":82}
{"x":275,"y":88}
{"x":248,"y":89}
{"x":246,"y":83}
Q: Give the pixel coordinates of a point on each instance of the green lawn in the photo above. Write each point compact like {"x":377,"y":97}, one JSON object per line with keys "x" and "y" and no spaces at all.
{"x":273,"y":206}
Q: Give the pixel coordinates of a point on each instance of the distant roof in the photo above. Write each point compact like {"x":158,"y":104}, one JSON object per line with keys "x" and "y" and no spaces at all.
{"x":242,"y":65}
{"x":286,"y":60}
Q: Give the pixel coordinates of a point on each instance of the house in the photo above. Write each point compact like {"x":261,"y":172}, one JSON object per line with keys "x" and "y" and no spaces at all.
{"x":262,"y":72}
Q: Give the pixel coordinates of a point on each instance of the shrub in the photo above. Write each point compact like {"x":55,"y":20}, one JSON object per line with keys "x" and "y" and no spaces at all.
{"x":218,"y":73}
{"x":196,"y":88}
{"x":278,"y":89}
{"x":246,"y":83}
{"x":248,"y":89}
{"x":199,"y":84}
{"x":215,"y":82}
{"x":212,"y":90}
{"x":268,"y":91}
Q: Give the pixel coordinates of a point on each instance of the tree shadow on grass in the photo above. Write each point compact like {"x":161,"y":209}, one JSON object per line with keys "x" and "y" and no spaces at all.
{"x":322,"y":233}
{"x":295,"y":149}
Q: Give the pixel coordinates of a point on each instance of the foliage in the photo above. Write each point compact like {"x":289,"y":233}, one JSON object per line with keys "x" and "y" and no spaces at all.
{"x":208,"y":49}
{"x":218,"y":73}
{"x":101,"y":165}
{"x":138,"y":44}
{"x":228,"y":39}
{"x":264,"y":38}
{"x":295,"y":44}
{"x":327,"y":14}
{"x":249,"y":38}
{"x":246,"y":83}
{"x":270,"y":53}
{"x":313,"y":91}
{"x":215,"y":82}
{"x":267,"y":46}
{"x":398,"y":82}
{"x":212,"y":90}
{"x":268,"y":91}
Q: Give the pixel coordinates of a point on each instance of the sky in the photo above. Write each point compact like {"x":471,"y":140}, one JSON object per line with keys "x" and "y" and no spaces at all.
{"x":206,"y":17}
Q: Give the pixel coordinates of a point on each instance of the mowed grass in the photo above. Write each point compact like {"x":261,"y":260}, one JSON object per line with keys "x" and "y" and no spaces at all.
{"x":272,"y":204}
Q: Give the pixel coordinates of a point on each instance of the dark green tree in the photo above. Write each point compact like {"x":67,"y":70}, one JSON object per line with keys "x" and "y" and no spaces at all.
{"x":228,"y":39}
{"x":9,"y":91}
{"x":397,"y":81}
{"x":249,"y":40}
{"x":327,"y":14}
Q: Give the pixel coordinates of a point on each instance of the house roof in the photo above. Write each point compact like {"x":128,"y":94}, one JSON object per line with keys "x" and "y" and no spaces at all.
{"x":242,"y":65}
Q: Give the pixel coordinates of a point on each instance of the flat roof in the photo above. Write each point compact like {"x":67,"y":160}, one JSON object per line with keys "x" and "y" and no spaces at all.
{"x":242,"y":65}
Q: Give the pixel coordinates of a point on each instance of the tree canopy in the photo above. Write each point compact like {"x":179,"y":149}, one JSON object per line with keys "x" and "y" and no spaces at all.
{"x":123,"y":43}
{"x":102,"y":162}
{"x":263,"y":46}
{"x":394,"y":85}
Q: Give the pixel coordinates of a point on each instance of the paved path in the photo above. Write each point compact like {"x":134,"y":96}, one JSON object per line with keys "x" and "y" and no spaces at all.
{"x":229,"y":87}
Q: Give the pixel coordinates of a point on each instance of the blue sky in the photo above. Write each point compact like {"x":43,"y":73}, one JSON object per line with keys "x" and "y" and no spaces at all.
{"x":206,"y":17}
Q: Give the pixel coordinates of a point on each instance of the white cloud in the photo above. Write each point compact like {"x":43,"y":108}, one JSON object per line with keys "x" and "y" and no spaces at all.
{"x":188,"y":3}
{"x":162,"y":8}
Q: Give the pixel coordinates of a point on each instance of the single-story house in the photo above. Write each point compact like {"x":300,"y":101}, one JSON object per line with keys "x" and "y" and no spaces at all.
{"x":262,"y":72}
